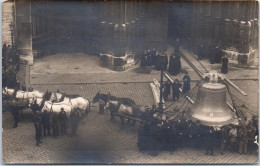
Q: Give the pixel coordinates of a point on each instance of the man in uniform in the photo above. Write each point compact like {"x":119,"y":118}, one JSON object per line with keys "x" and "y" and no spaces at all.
{"x":251,"y":137}
{"x":224,"y":68}
{"x":186,"y":83}
{"x":167,"y":90}
{"x":243,"y":140}
{"x":153,"y":58}
{"x":177,"y":45}
{"x":15,"y":113}
{"x":62,"y":121}
{"x":210,"y":141}
{"x":224,"y":139}
{"x":143,"y":59}
{"x":46,"y":122}
{"x":175,"y":89}
{"x":55,"y":125}
{"x":75,"y":117}
{"x":233,"y":138}
{"x":200,"y":52}
{"x":38,"y":127}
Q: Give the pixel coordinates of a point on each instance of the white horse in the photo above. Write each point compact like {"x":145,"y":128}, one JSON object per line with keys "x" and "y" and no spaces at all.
{"x":77,"y":102}
{"x":56,"y":107}
{"x":22,"y":94}
{"x":51,"y":107}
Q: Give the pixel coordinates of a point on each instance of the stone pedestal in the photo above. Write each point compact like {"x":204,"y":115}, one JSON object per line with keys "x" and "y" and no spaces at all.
{"x":240,"y":59}
{"x":117,"y":63}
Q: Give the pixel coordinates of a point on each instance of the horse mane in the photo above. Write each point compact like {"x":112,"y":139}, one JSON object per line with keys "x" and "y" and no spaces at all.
{"x":62,"y":97}
{"x":111,"y":97}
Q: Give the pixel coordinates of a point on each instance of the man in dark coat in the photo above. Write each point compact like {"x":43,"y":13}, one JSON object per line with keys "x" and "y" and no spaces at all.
{"x":143,"y":62}
{"x":46,"y":122}
{"x":175,"y":89}
{"x":161,"y":61}
{"x":74,"y":117}
{"x":153,"y":58}
{"x":224,"y":139}
{"x":149,"y":58}
{"x":242,"y":140}
{"x":186,"y":83}
{"x":218,"y":55}
{"x":210,"y":141}
{"x":200,"y":52}
{"x":15,"y":113}
{"x":174,"y":64}
{"x":251,"y":137}
{"x":55,"y":125}
{"x":177,"y":45}
{"x":167,"y":90}
{"x":224,"y":68}
{"x":38,"y":127}
{"x":62,"y":121}
{"x":212,"y":54}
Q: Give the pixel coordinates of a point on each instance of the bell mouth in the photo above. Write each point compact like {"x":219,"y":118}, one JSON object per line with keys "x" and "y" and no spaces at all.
{"x":214,"y":121}
{"x":211,"y":118}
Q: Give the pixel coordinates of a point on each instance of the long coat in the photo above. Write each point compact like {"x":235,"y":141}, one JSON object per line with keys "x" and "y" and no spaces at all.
{"x":186,"y":84}
{"x":174,"y":65}
{"x":224,"y":68}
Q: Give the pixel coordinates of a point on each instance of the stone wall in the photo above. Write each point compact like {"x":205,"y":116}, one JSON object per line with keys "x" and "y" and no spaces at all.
{"x":7,"y":18}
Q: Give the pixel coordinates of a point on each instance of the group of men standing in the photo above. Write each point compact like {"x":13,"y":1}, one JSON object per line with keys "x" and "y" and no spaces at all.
{"x":176,"y":85}
{"x":214,"y":54}
{"x":58,"y":122}
{"x":160,"y":60}
{"x":160,"y":134}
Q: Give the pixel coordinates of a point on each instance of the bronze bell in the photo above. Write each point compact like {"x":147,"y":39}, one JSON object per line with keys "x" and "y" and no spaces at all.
{"x":210,"y":107}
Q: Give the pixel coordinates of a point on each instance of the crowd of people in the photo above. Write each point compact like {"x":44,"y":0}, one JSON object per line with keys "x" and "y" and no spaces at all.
{"x":214,"y":54}
{"x":10,"y":65}
{"x":160,"y":60}
{"x":160,"y":135}
{"x":45,"y":122}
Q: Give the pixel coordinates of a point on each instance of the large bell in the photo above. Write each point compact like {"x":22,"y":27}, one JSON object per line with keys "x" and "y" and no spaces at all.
{"x":210,"y":107}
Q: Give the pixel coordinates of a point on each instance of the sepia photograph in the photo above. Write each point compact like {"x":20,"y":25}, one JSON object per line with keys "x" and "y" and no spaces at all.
{"x":130,"y":82}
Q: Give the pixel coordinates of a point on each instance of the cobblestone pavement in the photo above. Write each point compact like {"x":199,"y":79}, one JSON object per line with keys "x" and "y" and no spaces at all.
{"x":98,"y":139}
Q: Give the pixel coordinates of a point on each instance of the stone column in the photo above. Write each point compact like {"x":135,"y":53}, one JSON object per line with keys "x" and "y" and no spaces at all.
{"x":24,"y":30}
{"x":156,"y":25}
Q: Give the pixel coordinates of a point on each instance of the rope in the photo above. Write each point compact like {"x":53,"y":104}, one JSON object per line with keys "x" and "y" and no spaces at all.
{"x":202,"y":65}
{"x":238,"y":113}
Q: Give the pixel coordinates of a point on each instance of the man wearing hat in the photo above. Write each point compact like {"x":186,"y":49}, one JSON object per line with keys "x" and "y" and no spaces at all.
{"x":175,"y":89}
{"x":62,"y":119}
{"x":38,"y":127}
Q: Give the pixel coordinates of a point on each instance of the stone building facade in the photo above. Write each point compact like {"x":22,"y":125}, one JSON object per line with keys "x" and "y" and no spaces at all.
{"x":233,"y":26}
{"x":122,"y":30}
